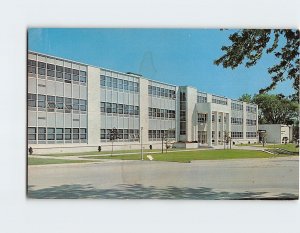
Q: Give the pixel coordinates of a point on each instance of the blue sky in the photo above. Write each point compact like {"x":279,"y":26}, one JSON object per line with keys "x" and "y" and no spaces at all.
{"x":175,"y":56}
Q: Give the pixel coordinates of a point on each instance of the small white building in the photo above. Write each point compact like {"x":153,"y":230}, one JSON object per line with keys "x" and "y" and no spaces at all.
{"x":276,"y":133}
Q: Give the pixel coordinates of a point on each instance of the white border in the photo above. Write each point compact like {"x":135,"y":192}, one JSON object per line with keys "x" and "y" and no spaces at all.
{"x":17,"y":214}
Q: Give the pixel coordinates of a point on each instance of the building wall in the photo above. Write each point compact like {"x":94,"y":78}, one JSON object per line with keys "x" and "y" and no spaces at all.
{"x":74,"y":107}
{"x":275,"y":133}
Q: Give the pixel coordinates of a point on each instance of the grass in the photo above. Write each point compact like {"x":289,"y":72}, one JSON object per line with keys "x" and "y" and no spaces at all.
{"x":187,"y":156}
{"x":44,"y":161}
{"x":290,"y":146}
{"x":99,"y":153}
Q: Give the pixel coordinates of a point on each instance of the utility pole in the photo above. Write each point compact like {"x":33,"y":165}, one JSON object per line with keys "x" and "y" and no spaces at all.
{"x":141,"y":135}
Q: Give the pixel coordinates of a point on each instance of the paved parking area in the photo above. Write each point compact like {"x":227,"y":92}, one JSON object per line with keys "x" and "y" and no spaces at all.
{"x":275,"y":178}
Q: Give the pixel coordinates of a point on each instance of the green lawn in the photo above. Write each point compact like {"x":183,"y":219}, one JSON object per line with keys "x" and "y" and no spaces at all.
{"x":188,"y":156}
{"x":290,"y":146}
{"x":44,"y":161}
{"x":99,"y":153}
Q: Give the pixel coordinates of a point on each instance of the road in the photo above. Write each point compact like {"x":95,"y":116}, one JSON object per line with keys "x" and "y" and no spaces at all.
{"x":275,"y":178}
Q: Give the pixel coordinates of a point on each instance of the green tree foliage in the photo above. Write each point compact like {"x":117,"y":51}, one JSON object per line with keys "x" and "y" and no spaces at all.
{"x":274,"y":109}
{"x":248,"y":46}
{"x":246,"y":98}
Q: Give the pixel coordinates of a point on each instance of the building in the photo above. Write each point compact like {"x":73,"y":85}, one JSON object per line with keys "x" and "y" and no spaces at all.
{"x":74,"y":106}
{"x":276,"y":133}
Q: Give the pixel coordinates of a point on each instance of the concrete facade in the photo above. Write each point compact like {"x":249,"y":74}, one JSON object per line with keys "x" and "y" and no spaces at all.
{"x":277,"y":133}
{"x":74,"y":106}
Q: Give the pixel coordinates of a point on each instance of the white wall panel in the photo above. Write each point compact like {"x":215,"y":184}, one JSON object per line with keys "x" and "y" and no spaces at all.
{"x":59,"y":120}
{"x":83,"y":92}
{"x":83,"y":121}
{"x":68,"y":120}
{"x":109,"y":96}
{"x":68,"y":90}
{"x":50,"y":87}
{"x":32,"y":122}
{"x":76,"y":91}
{"x":59,"y":89}
{"x":51,"y":119}
{"x":114,"y":97}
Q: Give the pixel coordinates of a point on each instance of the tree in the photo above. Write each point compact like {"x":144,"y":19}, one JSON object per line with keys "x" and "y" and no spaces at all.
{"x":248,"y":45}
{"x":275,"y":109}
{"x":246,"y":98}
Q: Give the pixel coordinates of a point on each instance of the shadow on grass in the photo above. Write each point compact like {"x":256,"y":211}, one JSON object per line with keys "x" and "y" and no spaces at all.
{"x":138,"y":191}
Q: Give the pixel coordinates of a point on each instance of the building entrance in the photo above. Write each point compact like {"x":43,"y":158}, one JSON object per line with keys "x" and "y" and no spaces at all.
{"x":202,"y":137}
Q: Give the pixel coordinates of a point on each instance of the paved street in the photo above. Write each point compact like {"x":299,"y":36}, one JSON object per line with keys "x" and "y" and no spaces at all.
{"x":275,"y":178}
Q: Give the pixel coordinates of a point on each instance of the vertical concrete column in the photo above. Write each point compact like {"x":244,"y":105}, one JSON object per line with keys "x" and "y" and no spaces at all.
{"x":244,"y":120}
{"x":144,"y":104}
{"x":191,"y":101}
{"x":229,"y":117}
{"x":93,"y":108}
{"x":217,"y":128}
{"x":209,"y":126}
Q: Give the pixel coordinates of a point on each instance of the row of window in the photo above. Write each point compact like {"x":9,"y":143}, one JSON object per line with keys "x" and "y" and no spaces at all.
{"x":251,"y":134}
{"x":251,"y":109}
{"x":120,"y":84}
{"x":159,"y":134}
{"x":43,"y":133}
{"x":250,"y":122}
{"x":201,"y":99}
{"x":202,"y":117}
{"x":236,"y":107}
{"x":121,"y":134}
{"x":61,"y":73}
{"x":182,"y":112}
{"x":161,"y":113}
{"x":236,"y":121}
{"x":119,"y":108}
{"x":219,"y":100}
{"x":56,"y":102}
{"x":161,"y":92}
{"x":236,"y":134}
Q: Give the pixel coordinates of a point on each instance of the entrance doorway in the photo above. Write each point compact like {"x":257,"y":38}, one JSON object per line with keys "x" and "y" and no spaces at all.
{"x":202,"y":137}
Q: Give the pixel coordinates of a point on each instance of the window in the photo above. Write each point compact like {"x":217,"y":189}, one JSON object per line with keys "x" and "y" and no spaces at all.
{"x":115,"y":83}
{"x":219,"y":100}
{"x":131,"y":88}
{"x":237,"y":134}
{"x":31,"y":100}
{"x":121,"y":84}
{"x":251,"y":122}
{"x":68,"y":104}
{"x":120,"y":133}
{"x":102,"y":81}
{"x":50,"y":133}
{"x":31,"y":66}
{"x":83,"y":76}
{"x":202,"y":117}
{"x":76,"y":104}
{"x":126,"y":133}
{"x":213,"y":117}
{"x":219,"y":134}
{"x":125,"y":85}
{"x":182,"y":128}
{"x":251,"y":134}
{"x":59,"y":134}
{"x":76,"y":75}
{"x":108,"y":107}
{"x":50,"y":103}
{"x":41,"y":101}
{"x":154,"y":91}
{"x":59,"y":102}
{"x":220,"y":118}
{"x":136,"y":110}
{"x":75,"y":133}
{"x":114,"y":108}
{"x":236,"y":121}
{"x":59,"y":73}
{"x":82,"y":133}
{"x":131,"y":110}
{"x":109,"y":82}
{"x":150,"y":112}
{"x":31,"y":133}
{"x":126,"y":109}
{"x":82,"y":105}
{"x":236,"y":106}
{"x":68,"y":75}
{"x":136,"y":87}
{"x":120,"y":108}
{"x":251,"y":109}
{"x":41,"y":68}
{"x":68,"y":134}
{"x":41,"y":133}
{"x":50,"y":70}
{"x":102,"y":106}
{"x":102,"y":134}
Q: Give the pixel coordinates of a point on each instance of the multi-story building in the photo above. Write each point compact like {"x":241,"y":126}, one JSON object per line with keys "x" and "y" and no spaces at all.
{"x":74,"y":107}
